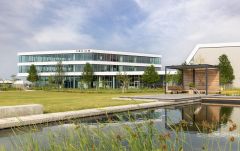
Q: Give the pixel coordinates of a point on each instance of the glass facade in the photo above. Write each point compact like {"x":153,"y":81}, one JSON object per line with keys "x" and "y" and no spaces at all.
{"x":89,"y":57}
{"x":79,"y":68}
{"x":102,"y":80}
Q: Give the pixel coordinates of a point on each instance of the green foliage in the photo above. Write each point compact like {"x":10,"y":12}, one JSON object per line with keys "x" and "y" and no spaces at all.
{"x":124,"y":132}
{"x":191,"y":85}
{"x":226,"y":70}
{"x":150,"y":75}
{"x":32,"y":74}
{"x":51,"y":82}
{"x":225,"y":113}
{"x":175,"y":78}
{"x":59,"y":76}
{"x":87,"y":74}
{"x":124,"y":79}
{"x":142,"y":136}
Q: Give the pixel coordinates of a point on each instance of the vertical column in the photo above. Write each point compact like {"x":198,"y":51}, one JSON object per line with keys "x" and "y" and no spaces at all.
{"x":74,"y":57}
{"x":113,"y":81}
{"x":74,"y":82}
{"x":206,"y":76}
{"x":193,"y":80}
{"x":165,"y":80}
{"x":182,"y":78}
{"x":99,"y":82}
{"x":74,"y":70}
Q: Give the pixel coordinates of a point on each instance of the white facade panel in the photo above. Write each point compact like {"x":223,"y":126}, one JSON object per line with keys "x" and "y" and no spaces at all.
{"x":88,"y":51}
{"x":91,"y":62}
{"x":96,"y":73}
{"x":209,"y":54}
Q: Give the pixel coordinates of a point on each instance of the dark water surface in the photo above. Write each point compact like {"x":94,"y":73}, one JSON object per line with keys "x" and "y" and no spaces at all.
{"x":198,"y":117}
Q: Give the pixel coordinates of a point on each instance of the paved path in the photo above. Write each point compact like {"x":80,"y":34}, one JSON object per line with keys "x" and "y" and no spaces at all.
{"x":167,"y":97}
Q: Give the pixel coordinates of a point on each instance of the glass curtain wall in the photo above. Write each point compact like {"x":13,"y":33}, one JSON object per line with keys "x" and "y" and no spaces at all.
{"x":89,"y":57}
{"x":79,"y":68}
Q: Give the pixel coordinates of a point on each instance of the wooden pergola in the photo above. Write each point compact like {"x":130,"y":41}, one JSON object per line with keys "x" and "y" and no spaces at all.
{"x":203,"y":76}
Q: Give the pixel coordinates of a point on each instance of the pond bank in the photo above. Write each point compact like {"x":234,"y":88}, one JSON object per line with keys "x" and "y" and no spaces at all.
{"x":61,"y":116}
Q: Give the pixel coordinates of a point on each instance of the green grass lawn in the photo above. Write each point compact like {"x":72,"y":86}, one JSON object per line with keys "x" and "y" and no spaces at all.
{"x":65,"y":101}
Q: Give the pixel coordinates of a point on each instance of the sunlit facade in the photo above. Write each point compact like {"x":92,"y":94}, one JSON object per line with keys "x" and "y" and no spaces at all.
{"x":106,"y":65}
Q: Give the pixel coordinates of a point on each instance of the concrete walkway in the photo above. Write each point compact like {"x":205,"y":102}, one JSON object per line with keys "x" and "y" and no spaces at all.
{"x":53,"y":117}
{"x":166,"y":97}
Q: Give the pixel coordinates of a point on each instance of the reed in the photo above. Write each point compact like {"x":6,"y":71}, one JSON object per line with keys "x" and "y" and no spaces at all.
{"x":124,"y":135}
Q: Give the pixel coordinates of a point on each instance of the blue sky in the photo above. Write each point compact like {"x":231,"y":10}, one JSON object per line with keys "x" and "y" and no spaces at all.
{"x":170,"y":27}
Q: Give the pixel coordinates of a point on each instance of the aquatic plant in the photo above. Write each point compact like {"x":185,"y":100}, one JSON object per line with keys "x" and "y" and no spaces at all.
{"x":124,"y":133}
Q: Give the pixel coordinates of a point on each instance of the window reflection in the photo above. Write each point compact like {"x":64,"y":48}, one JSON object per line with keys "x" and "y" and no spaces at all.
{"x":89,"y":57}
{"x":79,"y":68}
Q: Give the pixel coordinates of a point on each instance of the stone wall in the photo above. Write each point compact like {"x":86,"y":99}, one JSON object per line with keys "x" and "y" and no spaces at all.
{"x":20,"y":110}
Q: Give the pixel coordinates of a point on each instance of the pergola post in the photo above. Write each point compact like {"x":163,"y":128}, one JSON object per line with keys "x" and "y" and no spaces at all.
{"x":193,"y":76}
{"x":182,"y":78}
{"x":206,"y":77}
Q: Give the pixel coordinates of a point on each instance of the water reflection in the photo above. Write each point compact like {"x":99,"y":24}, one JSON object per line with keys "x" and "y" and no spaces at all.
{"x":168,"y":119}
{"x":199,"y":117}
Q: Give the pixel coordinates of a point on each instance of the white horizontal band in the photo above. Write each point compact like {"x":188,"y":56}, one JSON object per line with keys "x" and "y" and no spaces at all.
{"x":95,"y":73}
{"x":91,"y":62}
{"x":87,"y":51}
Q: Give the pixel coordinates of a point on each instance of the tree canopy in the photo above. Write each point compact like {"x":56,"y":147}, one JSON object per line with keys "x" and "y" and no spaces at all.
{"x":87,"y":74}
{"x":32,"y":74}
{"x":150,"y":76}
{"x":226,"y":70}
{"x":175,"y":78}
{"x":59,"y":75}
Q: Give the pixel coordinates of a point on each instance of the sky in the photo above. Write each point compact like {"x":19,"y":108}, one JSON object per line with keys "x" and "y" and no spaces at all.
{"x":168,"y":27}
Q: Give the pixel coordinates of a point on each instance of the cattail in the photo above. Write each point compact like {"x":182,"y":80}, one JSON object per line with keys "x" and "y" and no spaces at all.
{"x":234,"y":125}
{"x":119,"y":138}
{"x":151,"y":122}
{"x":167,"y":136}
{"x":231,"y":128}
{"x":232,"y":139}
{"x":164,"y":147}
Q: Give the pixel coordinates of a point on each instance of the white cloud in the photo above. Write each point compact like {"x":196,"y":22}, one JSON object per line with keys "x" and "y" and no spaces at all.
{"x":64,"y":31}
{"x":54,"y":36}
{"x":171,"y":28}
{"x":176,"y":26}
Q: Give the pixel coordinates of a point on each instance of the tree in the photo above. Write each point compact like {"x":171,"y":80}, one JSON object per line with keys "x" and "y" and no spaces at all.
{"x":150,"y":76}
{"x":51,"y":81}
{"x":226,"y":70}
{"x":59,"y":76}
{"x":175,"y":78}
{"x":32,"y":74}
{"x":124,"y":79}
{"x":87,"y":74}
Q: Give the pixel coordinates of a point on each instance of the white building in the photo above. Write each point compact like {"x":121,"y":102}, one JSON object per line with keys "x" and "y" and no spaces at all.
{"x":106,"y":65}
{"x":209,"y":54}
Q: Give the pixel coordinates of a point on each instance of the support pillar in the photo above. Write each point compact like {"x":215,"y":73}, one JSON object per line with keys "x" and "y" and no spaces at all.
{"x":99,"y":82}
{"x":194,"y":77}
{"x":74,"y":82}
{"x":183,"y":78}
{"x":165,"y":80}
{"x":113,"y":82}
{"x":206,"y":76}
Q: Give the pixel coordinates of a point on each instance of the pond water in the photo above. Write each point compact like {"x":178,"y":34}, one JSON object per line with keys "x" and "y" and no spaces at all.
{"x":223,"y":120}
